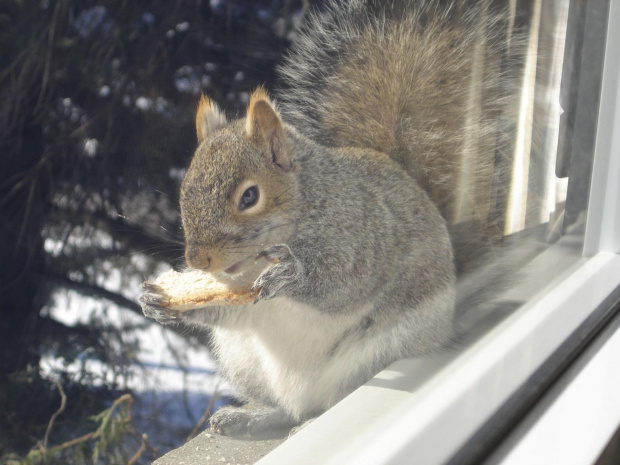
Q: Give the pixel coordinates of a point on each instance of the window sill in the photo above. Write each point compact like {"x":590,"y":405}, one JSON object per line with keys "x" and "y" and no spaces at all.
{"x":455,"y":402}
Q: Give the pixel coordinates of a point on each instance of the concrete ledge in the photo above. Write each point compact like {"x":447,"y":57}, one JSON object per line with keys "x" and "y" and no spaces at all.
{"x":209,"y":448}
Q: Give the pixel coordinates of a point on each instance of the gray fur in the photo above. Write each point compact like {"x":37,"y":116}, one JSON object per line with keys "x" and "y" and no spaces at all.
{"x":357,"y":225}
{"x":426,"y":82}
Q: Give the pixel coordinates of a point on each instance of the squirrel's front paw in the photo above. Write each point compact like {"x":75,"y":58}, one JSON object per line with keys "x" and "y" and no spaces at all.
{"x":151,"y":303}
{"x":280,"y":278}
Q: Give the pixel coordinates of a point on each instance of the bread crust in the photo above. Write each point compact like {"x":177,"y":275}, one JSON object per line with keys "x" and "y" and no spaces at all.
{"x":196,"y":289}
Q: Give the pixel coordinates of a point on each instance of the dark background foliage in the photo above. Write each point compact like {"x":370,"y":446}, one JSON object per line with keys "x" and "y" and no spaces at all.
{"x":97,"y":100}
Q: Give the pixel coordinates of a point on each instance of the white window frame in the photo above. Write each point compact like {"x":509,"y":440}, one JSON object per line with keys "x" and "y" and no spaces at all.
{"x":443,"y":409}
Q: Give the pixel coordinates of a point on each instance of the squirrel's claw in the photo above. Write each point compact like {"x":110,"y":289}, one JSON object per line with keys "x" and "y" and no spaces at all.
{"x":149,"y":286}
{"x":150,"y":299}
{"x":276,"y":253}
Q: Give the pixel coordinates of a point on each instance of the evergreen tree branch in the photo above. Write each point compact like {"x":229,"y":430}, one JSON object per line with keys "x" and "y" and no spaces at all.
{"x":63,"y":403}
{"x":88,"y":289}
{"x":138,"y":454}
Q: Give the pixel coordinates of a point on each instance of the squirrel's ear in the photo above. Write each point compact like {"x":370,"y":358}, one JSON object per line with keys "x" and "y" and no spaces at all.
{"x":265,"y":129}
{"x":209,"y":117}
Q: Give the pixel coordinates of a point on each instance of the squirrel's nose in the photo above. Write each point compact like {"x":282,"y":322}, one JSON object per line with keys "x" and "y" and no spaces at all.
{"x":196,"y":257}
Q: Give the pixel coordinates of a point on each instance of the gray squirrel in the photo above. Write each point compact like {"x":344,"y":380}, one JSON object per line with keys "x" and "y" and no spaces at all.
{"x":339,"y":204}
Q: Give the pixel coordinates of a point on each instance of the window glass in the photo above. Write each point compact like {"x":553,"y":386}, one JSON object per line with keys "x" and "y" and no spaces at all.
{"x":551,"y":149}
{"x":97,"y":105}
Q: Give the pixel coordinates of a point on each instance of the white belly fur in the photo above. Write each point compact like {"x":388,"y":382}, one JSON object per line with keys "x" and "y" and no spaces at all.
{"x":280,"y":348}
{"x":279,"y":351}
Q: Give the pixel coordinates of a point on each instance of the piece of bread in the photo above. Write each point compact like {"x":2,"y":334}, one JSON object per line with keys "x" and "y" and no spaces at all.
{"x":196,"y":289}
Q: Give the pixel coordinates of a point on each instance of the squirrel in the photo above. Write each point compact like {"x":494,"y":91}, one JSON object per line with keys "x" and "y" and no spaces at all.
{"x":339,"y":203}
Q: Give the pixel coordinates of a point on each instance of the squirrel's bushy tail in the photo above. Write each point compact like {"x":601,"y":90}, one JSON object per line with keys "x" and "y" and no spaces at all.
{"x":423,"y":81}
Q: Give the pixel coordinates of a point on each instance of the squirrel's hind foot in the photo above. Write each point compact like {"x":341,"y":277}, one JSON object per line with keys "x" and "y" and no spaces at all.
{"x":251,"y":421}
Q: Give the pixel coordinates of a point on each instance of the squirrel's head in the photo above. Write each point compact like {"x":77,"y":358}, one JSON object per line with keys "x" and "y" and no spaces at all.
{"x":238,"y":195}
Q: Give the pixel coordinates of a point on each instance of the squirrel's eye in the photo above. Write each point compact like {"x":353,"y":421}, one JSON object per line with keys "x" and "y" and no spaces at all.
{"x":249,"y":198}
